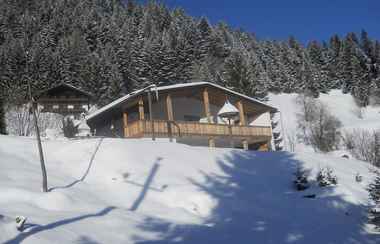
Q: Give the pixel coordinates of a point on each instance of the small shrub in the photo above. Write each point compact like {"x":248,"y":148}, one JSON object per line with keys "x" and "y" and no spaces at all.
{"x":358,"y":178}
{"x":326,"y":177}
{"x":301,"y":182}
{"x":363,"y":145}
{"x":69,"y":130}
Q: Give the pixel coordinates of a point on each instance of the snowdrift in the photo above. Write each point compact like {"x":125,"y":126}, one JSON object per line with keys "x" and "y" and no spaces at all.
{"x":138,"y":191}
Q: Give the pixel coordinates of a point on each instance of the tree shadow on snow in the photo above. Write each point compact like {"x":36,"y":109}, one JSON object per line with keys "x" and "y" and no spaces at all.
{"x":35,"y":228}
{"x":257,"y":204}
{"x":86,"y":240}
{"x":147,"y":185}
{"x":85,"y":173}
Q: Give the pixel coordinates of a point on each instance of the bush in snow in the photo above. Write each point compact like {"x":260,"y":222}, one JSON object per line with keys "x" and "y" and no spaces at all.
{"x":358,"y":177}
{"x":363,"y":145}
{"x":301,"y":182}
{"x":20,"y":121}
{"x":69,"y":129}
{"x":319,"y":127}
{"x":326,"y":177}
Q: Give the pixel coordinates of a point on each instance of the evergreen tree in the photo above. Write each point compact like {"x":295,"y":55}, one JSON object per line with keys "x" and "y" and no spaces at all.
{"x":83,"y":42}
{"x":361,"y":85}
{"x":2,"y":118}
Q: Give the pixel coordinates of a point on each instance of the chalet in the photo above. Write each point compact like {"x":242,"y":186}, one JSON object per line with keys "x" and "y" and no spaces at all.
{"x":64,"y":99}
{"x":198,"y":113}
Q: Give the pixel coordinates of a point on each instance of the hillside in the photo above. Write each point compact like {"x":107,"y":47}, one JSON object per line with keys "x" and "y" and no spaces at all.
{"x":137,"y":191}
{"x":341,"y":105}
{"x":110,"y":49}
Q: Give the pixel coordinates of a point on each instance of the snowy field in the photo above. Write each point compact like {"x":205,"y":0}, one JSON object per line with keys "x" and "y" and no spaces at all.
{"x":137,"y":191}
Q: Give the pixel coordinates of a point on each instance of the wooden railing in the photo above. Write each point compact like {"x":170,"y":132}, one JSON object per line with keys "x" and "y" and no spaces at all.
{"x":186,"y":128}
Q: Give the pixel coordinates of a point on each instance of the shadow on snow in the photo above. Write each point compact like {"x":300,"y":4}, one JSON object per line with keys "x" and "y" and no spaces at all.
{"x":35,"y":228}
{"x":257,"y":204}
{"x":85,"y":173}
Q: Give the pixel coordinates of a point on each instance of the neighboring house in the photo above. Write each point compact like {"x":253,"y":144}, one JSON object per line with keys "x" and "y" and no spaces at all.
{"x":189,"y":113}
{"x":64,"y":99}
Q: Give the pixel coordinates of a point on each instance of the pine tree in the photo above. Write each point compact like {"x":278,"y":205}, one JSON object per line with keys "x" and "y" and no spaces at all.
{"x":366,"y":45}
{"x":2,"y":118}
{"x":374,"y":194}
{"x":345,"y":62}
{"x":361,"y":83}
{"x":277,"y":139}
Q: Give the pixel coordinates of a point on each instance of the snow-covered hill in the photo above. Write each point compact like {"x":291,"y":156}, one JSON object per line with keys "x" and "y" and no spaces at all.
{"x":138,"y":191}
{"x":341,"y":105}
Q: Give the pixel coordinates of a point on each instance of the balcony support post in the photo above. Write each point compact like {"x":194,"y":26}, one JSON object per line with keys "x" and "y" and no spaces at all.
{"x":125,"y":124}
{"x":245,"y":144}
{"x":141,"y":109}
{"x":206,"y":103}
{"x":170,"y":115}
{"x":241,"y":113}
{"x":211,"y":142}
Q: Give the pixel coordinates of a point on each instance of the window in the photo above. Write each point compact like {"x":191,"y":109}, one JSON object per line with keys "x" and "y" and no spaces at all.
{"x":70,"y":106}
{"x":55,"y":106}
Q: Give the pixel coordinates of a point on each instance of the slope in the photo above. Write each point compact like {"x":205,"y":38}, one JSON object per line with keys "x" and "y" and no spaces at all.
{"x":341,"y":105}
{"x":137,"y":191}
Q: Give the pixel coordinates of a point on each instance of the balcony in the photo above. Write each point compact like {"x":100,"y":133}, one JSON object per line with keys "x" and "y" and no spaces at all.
{"x":164,"y":128}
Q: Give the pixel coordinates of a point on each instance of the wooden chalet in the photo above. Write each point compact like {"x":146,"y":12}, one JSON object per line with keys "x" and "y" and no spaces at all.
{"x":64,"y":99}
{"x":187,"y":112}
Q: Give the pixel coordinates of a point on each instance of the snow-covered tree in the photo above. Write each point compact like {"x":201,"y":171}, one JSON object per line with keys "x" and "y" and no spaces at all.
{"x":3,"y":128}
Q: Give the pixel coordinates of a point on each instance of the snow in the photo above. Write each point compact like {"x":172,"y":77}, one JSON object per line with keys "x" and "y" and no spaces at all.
{"x":83,"y":129}
{"x":119,"y":101}
{"x":341,"y":105}
{"x":139,"y":191}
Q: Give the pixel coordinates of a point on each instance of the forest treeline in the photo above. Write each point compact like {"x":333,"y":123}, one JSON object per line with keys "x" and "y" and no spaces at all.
{"x":110,"y":48}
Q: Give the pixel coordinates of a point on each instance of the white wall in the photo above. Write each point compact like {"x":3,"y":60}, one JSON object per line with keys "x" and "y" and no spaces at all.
{"x":262,"y":120}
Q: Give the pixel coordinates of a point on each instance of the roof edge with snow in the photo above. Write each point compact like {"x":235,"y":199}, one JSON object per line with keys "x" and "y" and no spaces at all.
{"x":129,"y":96}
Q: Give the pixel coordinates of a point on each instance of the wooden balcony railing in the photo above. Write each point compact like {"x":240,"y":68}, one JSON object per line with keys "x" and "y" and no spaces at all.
{"x":185,"y":128}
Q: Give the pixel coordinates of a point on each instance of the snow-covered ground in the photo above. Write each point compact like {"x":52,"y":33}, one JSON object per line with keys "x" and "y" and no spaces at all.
{"x":341,"y":105}
{"x":138,"y":191}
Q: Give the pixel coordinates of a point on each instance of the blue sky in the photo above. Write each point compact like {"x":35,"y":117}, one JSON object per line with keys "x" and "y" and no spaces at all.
{"x":277,"y":19}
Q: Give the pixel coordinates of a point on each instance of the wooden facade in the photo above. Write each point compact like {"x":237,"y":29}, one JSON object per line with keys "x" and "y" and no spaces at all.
{"x":169,"y":120}
{"x":64,"y":99}
{"x":162,"y":128}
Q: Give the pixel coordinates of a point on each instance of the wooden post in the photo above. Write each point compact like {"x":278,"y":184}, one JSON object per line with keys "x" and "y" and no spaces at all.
{"x":169,"y":108}
{"x":206,"y":102}
{"x":141,"y":109}
{"x":241,"y":113}
{"x":211,"y":142}
{"x":125,"y":124}
{"x":245,"y":144}
{"x":151,"y":115}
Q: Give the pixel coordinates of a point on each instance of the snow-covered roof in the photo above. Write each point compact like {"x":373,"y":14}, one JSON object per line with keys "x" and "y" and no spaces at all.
{"x":228,"y":110}
{"x":62,"y":85}
{"x":172,"y":87}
